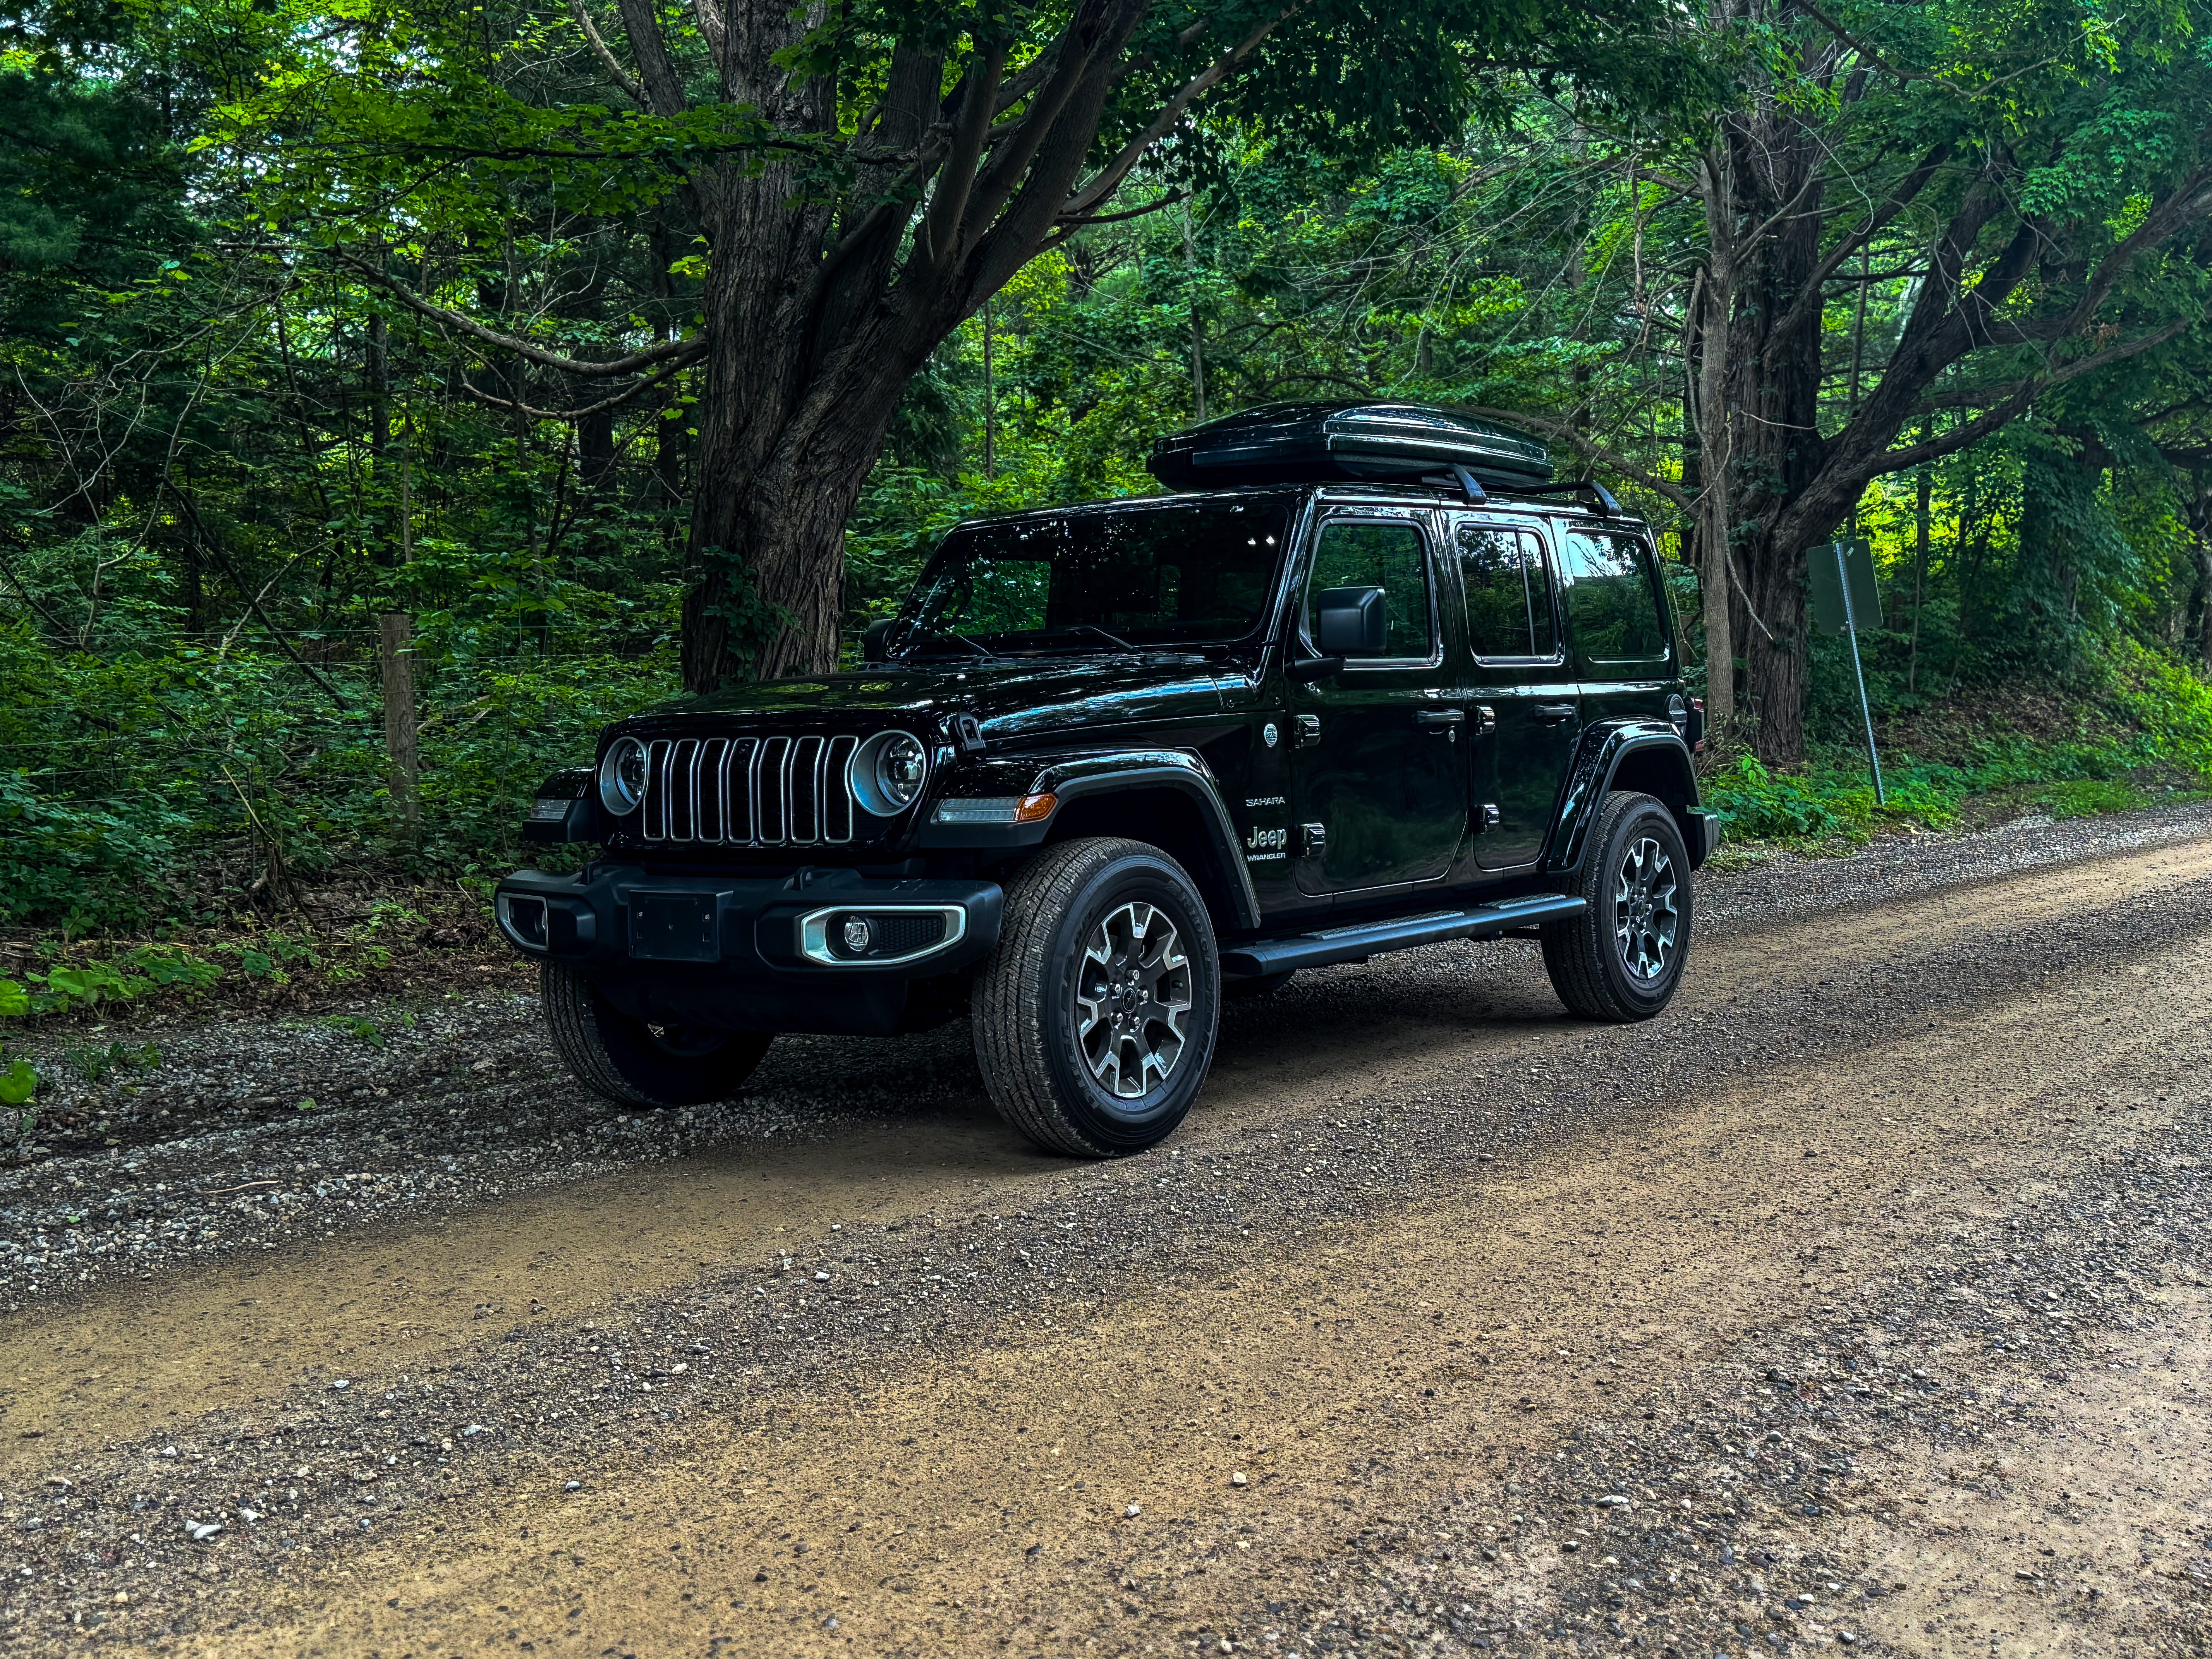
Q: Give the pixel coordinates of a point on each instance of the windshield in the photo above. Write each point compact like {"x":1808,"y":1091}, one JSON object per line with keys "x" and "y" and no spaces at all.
{"x":1101,"y":578}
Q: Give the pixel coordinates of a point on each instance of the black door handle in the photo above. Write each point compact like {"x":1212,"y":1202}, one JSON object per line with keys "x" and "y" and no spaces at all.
{"x":1553,"y":713}
{"x":1430,"y":718}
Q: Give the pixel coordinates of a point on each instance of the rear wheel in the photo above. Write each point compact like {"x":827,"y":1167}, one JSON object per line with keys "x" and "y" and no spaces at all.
{"x":1095,"y":1018}
{"x":634,"y":1063}
{"x":1621,"y":958}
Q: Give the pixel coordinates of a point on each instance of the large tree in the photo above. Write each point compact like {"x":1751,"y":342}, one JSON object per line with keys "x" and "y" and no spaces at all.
{"x":2040,"y":183}
{"x":861,"y":178}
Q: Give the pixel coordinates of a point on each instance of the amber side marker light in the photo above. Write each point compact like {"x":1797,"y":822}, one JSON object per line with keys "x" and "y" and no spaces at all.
{"x":997,"y":808}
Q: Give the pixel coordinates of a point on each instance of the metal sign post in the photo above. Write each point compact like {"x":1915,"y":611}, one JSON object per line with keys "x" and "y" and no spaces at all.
{"x":1841,"y":579}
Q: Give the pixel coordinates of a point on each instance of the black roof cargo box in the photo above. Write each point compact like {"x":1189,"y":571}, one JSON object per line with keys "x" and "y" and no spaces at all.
{"x":1295,"y":443}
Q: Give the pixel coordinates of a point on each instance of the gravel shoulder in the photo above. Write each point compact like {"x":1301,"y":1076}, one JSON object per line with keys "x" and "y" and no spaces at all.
{"x":1429,"y":1264}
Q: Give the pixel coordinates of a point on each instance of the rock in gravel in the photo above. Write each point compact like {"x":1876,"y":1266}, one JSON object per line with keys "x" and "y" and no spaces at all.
{"x":1134,"y":1510}
{"x":1237,"y":1479}
{"x":1613,"y":1500}
{"x":203,"y":1531}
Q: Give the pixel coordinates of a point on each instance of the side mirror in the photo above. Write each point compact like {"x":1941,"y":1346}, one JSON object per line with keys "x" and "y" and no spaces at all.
{"x":878,"y":637}
{"x":1350,"y":622}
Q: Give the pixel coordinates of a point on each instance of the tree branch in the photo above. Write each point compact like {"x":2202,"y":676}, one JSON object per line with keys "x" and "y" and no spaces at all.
{"x":537,"y":354}
{"x":1108,"y":180}
{"x":664,"y":88}
{"x":1069,"y":227}
{"x":253,"y":604}
{"x":1810,"y":297}
{"x":676,"y":367}
{"x":943,"y":227}
{"x":629,"y":84}
{"x":714,"y":30}
{"x":1870,"y":53}
{"x":1963,"y":437}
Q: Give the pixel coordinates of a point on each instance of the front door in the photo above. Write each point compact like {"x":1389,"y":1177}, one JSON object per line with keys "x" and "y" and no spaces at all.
{"x":1378,"y":766}
{"x":1529,"y":707}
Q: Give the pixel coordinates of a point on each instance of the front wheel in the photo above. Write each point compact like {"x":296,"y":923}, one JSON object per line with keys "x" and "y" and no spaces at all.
{"x":1095,"y":1018}
{"x":633,"y":1063}
{"x":1621,"y":958}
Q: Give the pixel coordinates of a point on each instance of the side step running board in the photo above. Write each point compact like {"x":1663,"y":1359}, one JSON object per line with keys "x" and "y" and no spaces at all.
{"x":1277,"y":955}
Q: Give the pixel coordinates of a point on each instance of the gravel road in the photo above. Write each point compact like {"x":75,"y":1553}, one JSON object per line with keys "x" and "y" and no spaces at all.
{"x":1856,"y":1302}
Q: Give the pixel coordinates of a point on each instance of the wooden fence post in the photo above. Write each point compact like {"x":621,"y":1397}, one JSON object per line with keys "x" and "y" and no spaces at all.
{"x":402,"y":768}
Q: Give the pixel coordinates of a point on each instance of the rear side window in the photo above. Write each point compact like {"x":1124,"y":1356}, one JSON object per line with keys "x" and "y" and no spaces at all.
{"x":1612,"y":601}
{"x":1389,"y":556}
{"x":1509,"y":592}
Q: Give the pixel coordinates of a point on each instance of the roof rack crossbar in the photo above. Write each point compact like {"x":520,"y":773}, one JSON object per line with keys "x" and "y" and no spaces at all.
{"x":1607,"y":506}
{"x":1460,"y":478}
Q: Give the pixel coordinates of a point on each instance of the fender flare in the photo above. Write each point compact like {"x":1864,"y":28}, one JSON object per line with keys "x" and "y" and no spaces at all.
{"x":1077,"y":777}
{"x":1598,"y":758}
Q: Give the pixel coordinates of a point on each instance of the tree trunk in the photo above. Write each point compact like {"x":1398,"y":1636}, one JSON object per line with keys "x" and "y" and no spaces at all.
{"x":2196,"y":629}
{"x":814,"y":324}
{"x":595,"y":449}
{"x":402,"y":764}
{"x":990,"y":399}
{"x":1772,"y":179}
{"x":1924,"y":502}
{"x":1714,"y":523}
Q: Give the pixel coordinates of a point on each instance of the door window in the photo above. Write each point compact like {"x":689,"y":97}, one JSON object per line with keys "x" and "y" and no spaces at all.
{"x":1613,"y":600}
{"x":1509,"y":595}
{"x":1385,"y":555}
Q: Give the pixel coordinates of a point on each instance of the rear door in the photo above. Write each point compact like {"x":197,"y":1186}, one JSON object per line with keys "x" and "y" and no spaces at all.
{"x":1619,"y":633}
{"x":1526,"y":713}
{"x":1377,"y":761}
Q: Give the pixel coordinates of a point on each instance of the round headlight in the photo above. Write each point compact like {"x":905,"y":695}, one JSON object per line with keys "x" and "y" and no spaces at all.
{"x":901,"y":765}
{"x":888,"y":773}
{"x":622,"y":777}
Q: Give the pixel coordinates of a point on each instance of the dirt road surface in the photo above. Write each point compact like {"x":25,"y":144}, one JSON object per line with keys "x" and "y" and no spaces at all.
{"x":1861,"y":1301}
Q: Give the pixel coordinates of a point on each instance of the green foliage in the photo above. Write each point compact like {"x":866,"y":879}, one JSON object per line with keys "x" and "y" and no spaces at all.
{"x":93,"y":1062}
{"x":354,"y":1026}
{"x":18,"y":1082}
{"x":2128,"y":763}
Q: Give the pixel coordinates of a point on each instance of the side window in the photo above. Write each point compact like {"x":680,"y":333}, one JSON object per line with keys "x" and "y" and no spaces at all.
{"x":1509,"y":597}
{"x":1613,"y":600}
{"x":1389,"y":556}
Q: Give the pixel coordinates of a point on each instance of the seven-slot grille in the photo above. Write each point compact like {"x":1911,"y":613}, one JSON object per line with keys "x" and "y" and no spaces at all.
{"x":749,"y":791}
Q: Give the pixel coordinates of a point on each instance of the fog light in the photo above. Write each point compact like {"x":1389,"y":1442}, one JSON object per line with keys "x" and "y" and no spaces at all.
{"x":858,"y":934}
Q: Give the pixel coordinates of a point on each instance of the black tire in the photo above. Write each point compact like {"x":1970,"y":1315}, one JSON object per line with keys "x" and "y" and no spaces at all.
{"x":1044,"y":1069}
{"x":1622,"y":957}
{"x":634,"y":1064}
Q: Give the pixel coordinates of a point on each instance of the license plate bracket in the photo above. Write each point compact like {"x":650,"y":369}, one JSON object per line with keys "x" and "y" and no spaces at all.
{"x":675,"y":926}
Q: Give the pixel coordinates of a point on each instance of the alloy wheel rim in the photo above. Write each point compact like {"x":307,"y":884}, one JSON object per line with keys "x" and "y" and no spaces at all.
{"x":1133,"y":1000}
{"x":1647,"y":917}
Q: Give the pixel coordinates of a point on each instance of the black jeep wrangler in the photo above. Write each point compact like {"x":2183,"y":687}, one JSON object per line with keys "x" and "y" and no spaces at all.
{"x":1369,"y":681}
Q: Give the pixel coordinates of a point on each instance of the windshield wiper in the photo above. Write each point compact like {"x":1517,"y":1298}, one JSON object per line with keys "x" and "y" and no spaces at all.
{"x":1093,"y":627}
{"x":928,"y":634}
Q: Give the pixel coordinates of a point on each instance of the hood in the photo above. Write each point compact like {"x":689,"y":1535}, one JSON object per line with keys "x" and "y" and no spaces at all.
{"x":1013,"y":698}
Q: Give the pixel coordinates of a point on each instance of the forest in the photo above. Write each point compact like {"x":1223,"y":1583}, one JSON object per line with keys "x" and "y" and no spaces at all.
{"x":392,"y":393}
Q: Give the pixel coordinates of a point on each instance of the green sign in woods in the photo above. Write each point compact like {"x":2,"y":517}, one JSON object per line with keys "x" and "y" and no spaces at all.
{"x":1827,"y":568}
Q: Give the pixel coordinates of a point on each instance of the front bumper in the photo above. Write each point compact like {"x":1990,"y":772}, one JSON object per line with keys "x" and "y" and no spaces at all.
{"x":778,"y":954}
